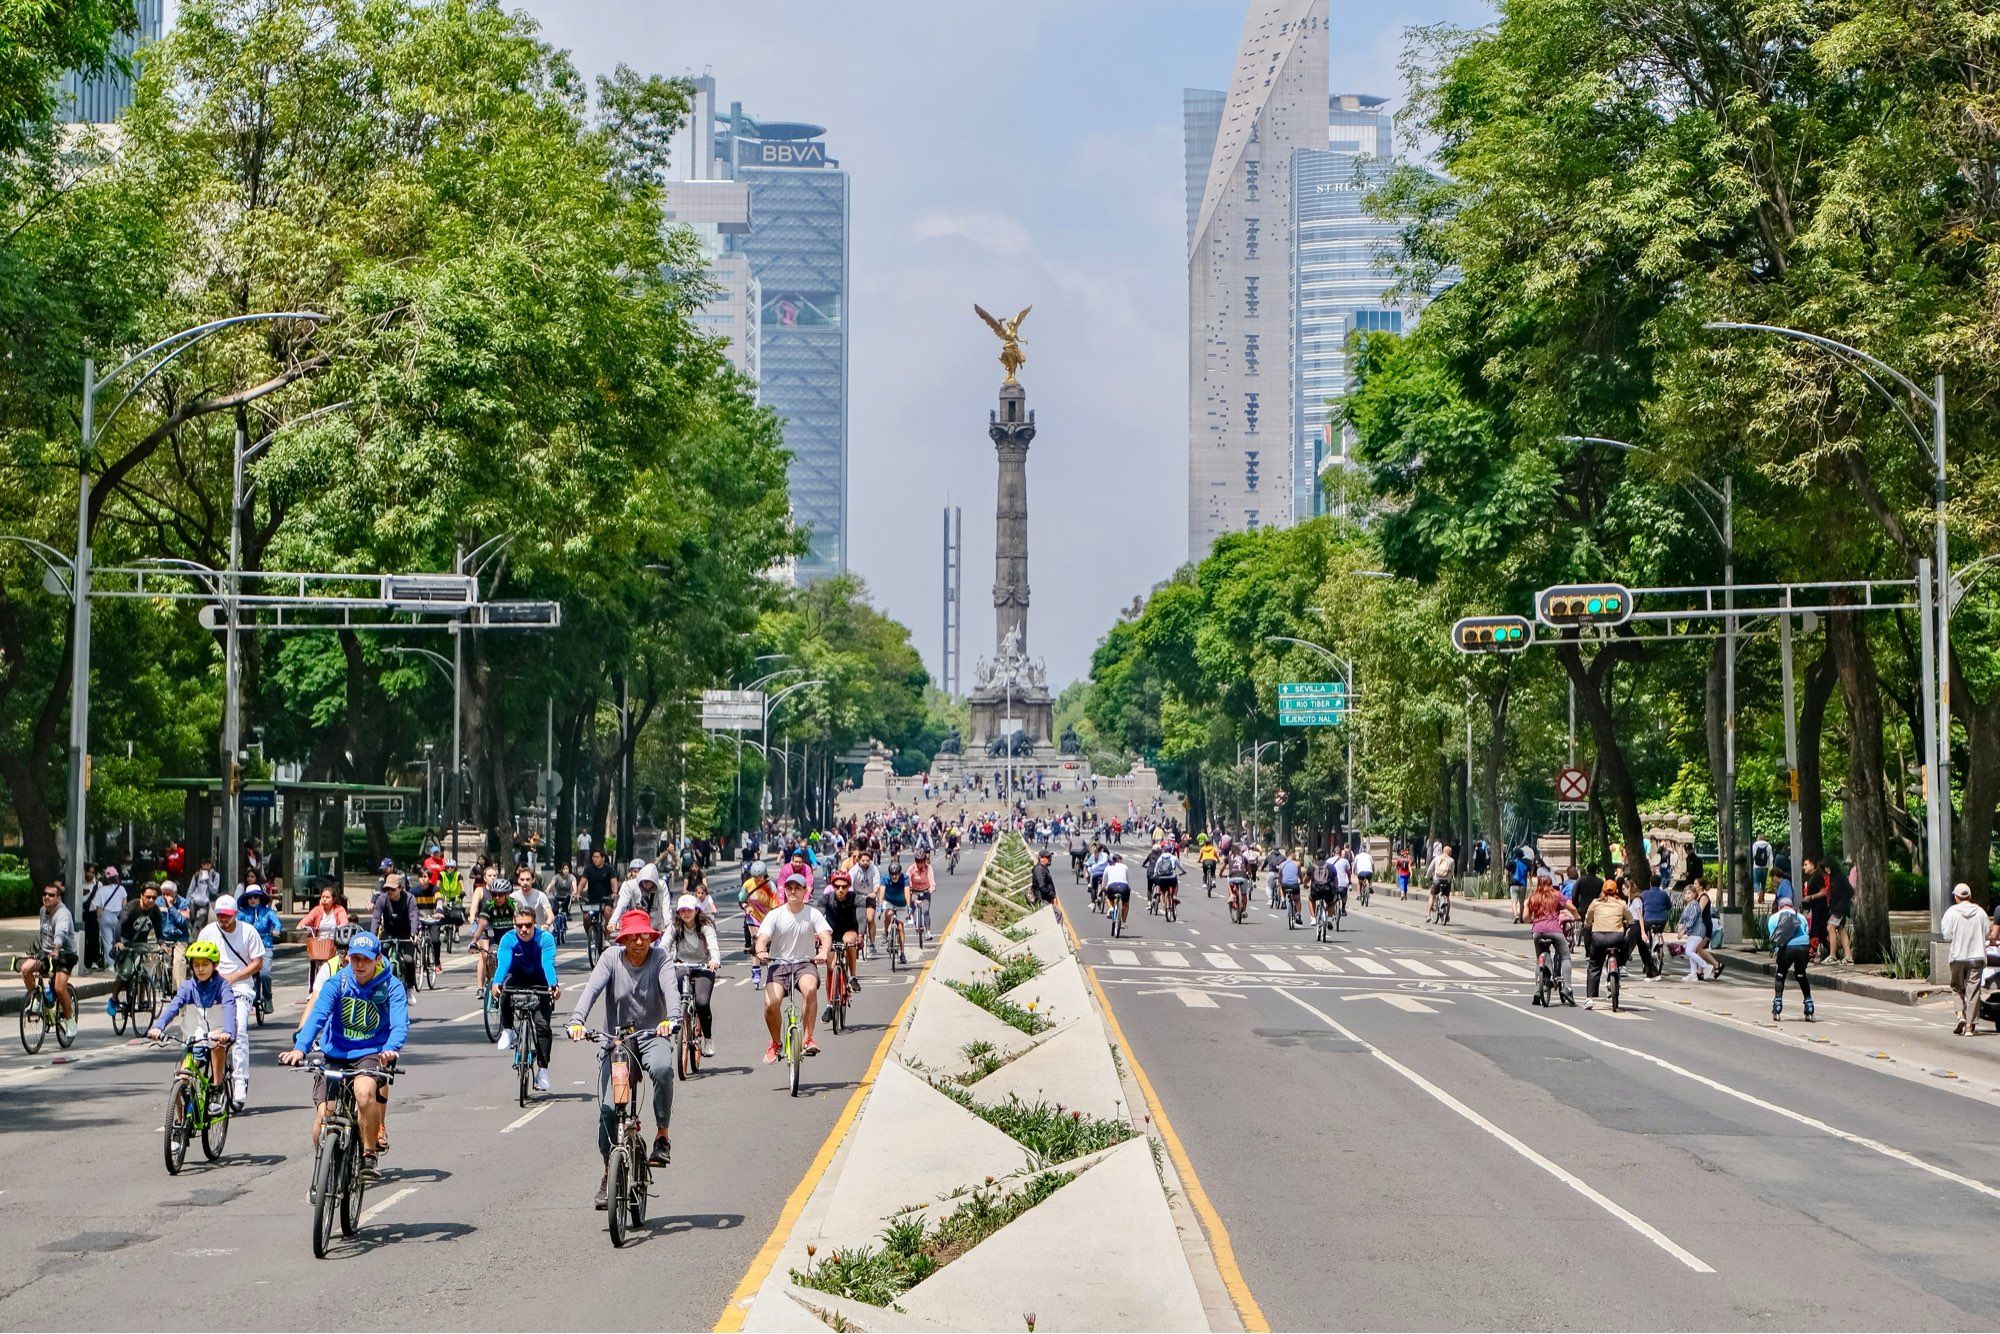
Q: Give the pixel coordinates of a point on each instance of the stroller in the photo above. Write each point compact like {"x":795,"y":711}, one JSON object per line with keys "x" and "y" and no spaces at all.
{"x":1989,"y":988}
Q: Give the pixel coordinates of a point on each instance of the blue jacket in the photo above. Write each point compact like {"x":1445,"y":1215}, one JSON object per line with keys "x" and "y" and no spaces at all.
{"x":265,"y":920}
{"x":174,"y":922}
{"x":201,"y":995}
{"x":349,"y":1020}
{"x":512,"y":956}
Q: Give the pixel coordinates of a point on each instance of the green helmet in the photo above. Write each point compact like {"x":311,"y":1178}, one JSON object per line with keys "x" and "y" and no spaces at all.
{"x":204,"y":949}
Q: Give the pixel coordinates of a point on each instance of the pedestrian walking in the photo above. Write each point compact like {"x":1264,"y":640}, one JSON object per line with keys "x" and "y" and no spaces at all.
{"x":108,"y":902}
{"x":1966,"y":928}
{"x":1697,"y":929}
{"x":1840,"y":914}
{"x":1791,"y":940}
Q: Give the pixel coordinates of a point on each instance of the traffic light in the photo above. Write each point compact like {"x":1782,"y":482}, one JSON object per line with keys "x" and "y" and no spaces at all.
{"x":235,"y":779}
{"x":1581,"y":605}
{"x":1492,"y":634}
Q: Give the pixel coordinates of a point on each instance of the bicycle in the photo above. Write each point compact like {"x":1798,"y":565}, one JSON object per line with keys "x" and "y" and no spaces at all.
{"x":1612,"y":969}
{"x":525,"y":1001}
{"x":920,"y":917}
{"x":894,"y":938}
{"x":1239,"y":901}
{"x":42,"y":1011}
{"x":262,"y":1005}
{"x":1208,"y":878}
{"x":791,"y":1033}
{"x":1440,"y":910}
{"x":628,"y":1176}
{"x":338,"y":1181}
{"x":1545,"y":972}
{"x":1170,"y":899}
{"x":687,"y":1036}
{"x":430,"y":966}
{"x":593,"y":934}
{"x":194,"y":1103}
{"x":1367,"y":890}
{"x":1111,"y":911}
{"x":951,"y":861}
{"x":137,"y":994}
{"x":840,"y":988}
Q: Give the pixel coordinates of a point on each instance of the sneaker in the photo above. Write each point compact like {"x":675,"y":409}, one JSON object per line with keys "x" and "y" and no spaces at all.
{"x":542,"y":1080}
{"x":239,"y":1095}
{"x":812,"y":1049}
{"x":826,"y":1015}
{"x":663,"y":1152}
{"x":506,"y":1042}
{"x":708,"y":1047}
{"x":603,"y":1187}
{"x":368,"y":1164}
{"x":871,"y":949}
{"x":1590,"y":1004}
{"x":1960,"y":1030}
{"x":67,"y":1028}
{"x":771,"y":1054}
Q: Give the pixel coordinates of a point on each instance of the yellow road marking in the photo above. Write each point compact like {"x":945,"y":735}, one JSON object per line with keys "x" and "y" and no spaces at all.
{"x":1247,"y":1309}
{"x":738,"y":1309}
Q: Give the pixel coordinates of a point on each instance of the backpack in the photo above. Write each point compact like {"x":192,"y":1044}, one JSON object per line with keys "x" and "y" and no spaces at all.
{"x":1321,"y":875}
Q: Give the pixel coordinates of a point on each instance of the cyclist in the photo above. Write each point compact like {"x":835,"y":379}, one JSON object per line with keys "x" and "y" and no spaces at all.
{"x":1118,"y":888}
{"x":952,"y":836}
{"x":528,"y":894}
{"x":562,"y":892}
{"x":492,"y":917}
{"x":175,"y":932}
{"x":1326,"y":890}
{"x":1287,"y":883}
{"x":55,"y":953}
{"x":1166,"y":875}
{"x":896,"y":904}
{"x":1364,"y":870}
{"x":1442,"y":868}
{"x":425,"y":891}
{"x":451,"y":894}
{"x":1237,"y":872}
{"x":1099,"y":859}
{"x":243,"y":958}
{"x":691,"y":940}
{"x":759,"y":896}
{"x":841,"y":907}
{"x":360,"y":1020}
{"x":526,"y":960}
{"x":640,"y":993}
{"x":394,"y":918}
{"x":923,"y":883}
{"x":1548,"y":910}
{"x":597,"y":887}
{"x":793,"y":940}
{"x":1209,"y":856}
{"x":216,"y":1013}
{"x":868,"y":882}
{"x":1078,"y":850}
{"x":1606,"y":921}
{"x":138,"y":933}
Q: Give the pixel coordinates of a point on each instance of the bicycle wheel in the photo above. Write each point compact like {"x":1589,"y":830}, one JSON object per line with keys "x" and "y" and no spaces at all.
{"x":839,"y":1004}
{"x":694,"y":1032}
{"x":215,"y":1132}
{"x":795,"y":1054}
{"x":489,"y":1014}
{"x":35,"y":1025}
{"x":635,"y":1204}
{"x":615,"y":1192}
{"x":683,"y":1067}
{"x":1614,"y":988}
{"x":180,"y":1123}
{"x":327,"y":1187}
{"x":524,"y":1065}
{"x":355,"y":1181}
{"x":143,"y":1001}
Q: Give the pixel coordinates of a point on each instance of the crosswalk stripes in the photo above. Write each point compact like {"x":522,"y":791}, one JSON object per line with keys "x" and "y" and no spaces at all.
{"x":1170,"y":958}
{"x":1469,"y":969}
{"x":1420,"y":969}
{"x":1320,"y":964}
{"x":1122,"y":958}
{"x":1368,"y":965}
{"x":1337,"y":963}
{"x":1511,"y":969}
{"x":1221,"y":960}
{"x":1273,"y":963}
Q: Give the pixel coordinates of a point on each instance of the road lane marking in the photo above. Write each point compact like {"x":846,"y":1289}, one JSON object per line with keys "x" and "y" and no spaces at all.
{"x":1887,"y":1150}
{"x":1418,"y":967}
{"x":1170,"y":958}
{"x":474,"y":1015}
{"x":1195,"y":1000}
{"x":1274,"y":963}
{"x":1407,"y":1004}
{"x":1123,"y":958}
{"x":1320,"y":965}
{"x":1222,"y":961}
{"x":1220,"y":1248}
{"x":376,"y":1208}
{"x":1368,"y":965}
{"x":1514,"y":969}
{"x":1469,"y":969}
{"x":1556,"y":1170}
{"x":526,"y":1117}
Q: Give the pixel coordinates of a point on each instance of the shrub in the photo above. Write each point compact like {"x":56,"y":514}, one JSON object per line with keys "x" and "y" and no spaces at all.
{"x":1054,"y":1133}
{"x":1909,"y":957}
{"x":988,"y":998}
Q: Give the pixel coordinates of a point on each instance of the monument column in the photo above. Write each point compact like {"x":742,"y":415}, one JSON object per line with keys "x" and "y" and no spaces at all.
{"x":1012,"y":428}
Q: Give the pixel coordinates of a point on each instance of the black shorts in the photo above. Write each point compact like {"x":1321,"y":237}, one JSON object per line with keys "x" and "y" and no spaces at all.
{"x":1118,"y":892}
{"x":1323,"y":893}
{"x":65,"y":962}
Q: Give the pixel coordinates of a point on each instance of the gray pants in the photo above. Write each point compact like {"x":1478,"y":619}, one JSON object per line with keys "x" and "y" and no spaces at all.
{"x":656,"y":1056}
{"x":1965,"y":975}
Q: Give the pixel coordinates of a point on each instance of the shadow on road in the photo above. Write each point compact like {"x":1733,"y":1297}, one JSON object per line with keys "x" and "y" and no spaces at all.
{"x":390,"y":1234}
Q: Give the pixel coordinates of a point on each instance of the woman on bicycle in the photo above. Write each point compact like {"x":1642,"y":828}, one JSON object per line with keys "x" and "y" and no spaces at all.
{"x":318,"y":925}
{"x":693,"y":945}
{"x":1547,"y":911}
{"x":1606,"y":920}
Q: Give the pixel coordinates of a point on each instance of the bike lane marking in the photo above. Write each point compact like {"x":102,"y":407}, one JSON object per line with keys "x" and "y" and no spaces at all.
{"x":526,"y":1117}
{"x":372,"y":1210}
{"x":1556,"y":1170}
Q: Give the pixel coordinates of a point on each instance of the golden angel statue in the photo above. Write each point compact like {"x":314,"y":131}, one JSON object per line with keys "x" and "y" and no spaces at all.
{"x":1010,"y":339}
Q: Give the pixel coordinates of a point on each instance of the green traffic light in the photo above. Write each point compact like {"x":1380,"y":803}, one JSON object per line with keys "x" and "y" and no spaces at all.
{"x":1611,"y":605}
{"x":1595,"y":605}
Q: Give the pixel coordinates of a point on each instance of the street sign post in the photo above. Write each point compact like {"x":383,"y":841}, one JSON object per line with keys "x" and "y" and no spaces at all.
{"x":1312,"y":703}
{"x":1572,"y":785}
{"x":1572,"y":807}
{"x":732,"y":710}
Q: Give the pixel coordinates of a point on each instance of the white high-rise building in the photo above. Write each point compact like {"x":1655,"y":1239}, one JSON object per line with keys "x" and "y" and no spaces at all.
{"x":1240,"y":327}
{"x":714,"y":209}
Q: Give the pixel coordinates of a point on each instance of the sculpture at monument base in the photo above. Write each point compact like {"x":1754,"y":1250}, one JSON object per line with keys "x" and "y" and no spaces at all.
{"x":1071,"y":743}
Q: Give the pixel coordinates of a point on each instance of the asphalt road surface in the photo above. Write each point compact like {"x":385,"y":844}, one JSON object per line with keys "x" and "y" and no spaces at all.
{"x":1397,"y":1138}
{"x":482,"y":1217}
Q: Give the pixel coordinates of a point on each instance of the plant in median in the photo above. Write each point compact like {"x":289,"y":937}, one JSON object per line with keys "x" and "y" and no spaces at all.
{"x":988,"y":998}
{"x":910,"y":1253}
{"x":1909,"y":958}
{"x":1051,"y":1132}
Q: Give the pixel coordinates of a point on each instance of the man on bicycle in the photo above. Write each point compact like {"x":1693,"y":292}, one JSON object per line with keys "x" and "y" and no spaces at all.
{"x":641,"y":990}
{"x":1209,"y":856}
{"x":138,"y":936}
{"x":55,"y":952}
{"x":1118,"y":888}
{"x":841,"y":907}
{"x":492,"y":918}
{"x":395,"y":918}
{"x":1165,"y":874}
{"x":792,"y":942}
{"x":360,"y":1019}
{"x":526,"y":961}
{"x":896,"y":905}
{"x":1442,"y":869}
{"x":600,"y":891}
{"x":1078,"y":849}
{"x":1326,"y":893}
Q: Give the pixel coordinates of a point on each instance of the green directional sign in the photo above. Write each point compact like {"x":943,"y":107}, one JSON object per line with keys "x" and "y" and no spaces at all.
{"x":1311,"y":703}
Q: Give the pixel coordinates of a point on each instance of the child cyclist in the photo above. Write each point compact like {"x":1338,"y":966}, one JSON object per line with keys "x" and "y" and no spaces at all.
{"x":212,"y":1002}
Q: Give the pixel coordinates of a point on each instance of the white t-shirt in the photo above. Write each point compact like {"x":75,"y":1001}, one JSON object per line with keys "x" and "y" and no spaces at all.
{"x":108,"y":899}
{"x":1117,"y":873}
{"x":240,"y":948}
{"x":793,"y":935}
{"x":1364,"y":862}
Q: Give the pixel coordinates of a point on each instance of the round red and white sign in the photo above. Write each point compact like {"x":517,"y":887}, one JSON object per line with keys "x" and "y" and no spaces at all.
{"x":1572,"y":785}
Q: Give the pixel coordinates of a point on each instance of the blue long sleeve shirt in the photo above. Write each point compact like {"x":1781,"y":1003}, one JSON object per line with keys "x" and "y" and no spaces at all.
{"x":350,"y":1019}
{"x":266,"y":922}
{"x":514,"y":962}
{"x":202,"y":995}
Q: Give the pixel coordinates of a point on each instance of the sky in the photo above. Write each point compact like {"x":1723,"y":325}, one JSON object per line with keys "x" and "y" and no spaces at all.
{"x":1014,"y":154}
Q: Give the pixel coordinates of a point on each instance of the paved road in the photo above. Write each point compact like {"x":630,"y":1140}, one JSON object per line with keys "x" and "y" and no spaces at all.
{"x":482,"y":1217}
{"x":1396,"y":1138}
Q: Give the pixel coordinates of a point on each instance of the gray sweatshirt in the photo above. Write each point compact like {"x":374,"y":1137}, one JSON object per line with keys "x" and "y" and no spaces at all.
{"x":637,"y":998}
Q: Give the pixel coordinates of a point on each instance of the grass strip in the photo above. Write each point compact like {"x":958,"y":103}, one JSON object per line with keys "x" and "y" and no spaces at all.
{"x":1052,"y":1132}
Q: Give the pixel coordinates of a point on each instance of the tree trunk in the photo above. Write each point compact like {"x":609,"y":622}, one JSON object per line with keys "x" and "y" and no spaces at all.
{"x":1973,"y":832}
{"x":1820,"y":680}
{"x":1865,"y":819}
{"x":1593,"y":689}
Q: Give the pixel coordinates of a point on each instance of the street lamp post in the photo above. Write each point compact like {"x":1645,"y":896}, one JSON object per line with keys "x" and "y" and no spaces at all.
{"x":155,"y":359}
{"x":457,"y":712}
{"x":1256,"y":776}
{"x":1725,"y":530}
{"x":770,"y":707}
{"x":1934,"y":590}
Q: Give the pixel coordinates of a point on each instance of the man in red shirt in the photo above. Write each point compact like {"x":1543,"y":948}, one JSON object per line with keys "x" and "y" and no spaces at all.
{"x":433,"y":869}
